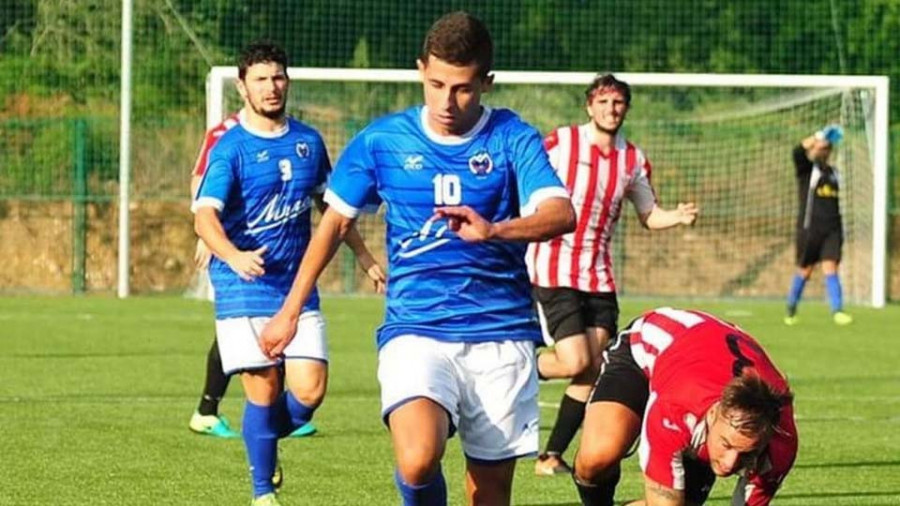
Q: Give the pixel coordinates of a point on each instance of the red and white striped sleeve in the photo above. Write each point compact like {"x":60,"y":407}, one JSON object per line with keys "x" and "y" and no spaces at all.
{"x":640,"y":190}
{"x":551,"y":146}
{"x":209,"y":140}
{"x":664,"y":438}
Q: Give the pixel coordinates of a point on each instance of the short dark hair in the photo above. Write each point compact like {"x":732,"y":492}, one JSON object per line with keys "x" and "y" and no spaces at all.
{"x":756,"y":404}
{"x":608,"y":81}
{"x":261,"y":51}
{"x":460,"y":38}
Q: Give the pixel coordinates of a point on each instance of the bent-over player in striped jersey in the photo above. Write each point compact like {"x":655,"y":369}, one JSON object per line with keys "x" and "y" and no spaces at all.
{"x":572,"y":274}
{"x":706,"y":400}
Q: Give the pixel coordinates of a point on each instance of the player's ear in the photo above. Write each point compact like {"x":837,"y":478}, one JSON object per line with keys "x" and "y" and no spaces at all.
{"x":241,"y":88}
{"x":487,"y":83}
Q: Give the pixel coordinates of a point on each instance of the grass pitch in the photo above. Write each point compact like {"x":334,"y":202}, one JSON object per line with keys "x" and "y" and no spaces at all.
{"x":95,"y":396}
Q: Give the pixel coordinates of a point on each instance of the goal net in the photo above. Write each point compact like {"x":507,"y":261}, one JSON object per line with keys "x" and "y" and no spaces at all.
{"x":722,"y":141}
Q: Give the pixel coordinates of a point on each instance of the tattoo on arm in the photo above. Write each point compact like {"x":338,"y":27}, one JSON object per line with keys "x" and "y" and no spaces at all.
{"x":660,"y":495}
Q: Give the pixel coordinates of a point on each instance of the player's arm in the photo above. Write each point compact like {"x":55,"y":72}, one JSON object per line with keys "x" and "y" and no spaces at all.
{"x":758,"y":487}
{"x":547,"y":211}
{"x":554,"y":216}
{"x":657,"y":494}
{"x":202,"y":254}
{"x":351,"y":188}
{"x":353,"y":239}
{"x":651,"y":215}
{"x":246,"y":264}
{"x":212,"y":192}
{"x":659,"y":218}
{"x":332,"y":229}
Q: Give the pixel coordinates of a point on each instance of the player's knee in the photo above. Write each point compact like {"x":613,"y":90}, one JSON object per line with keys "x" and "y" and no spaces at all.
{"x":575,"y":364}
{"x":307,"y":382}
{"x":592,"y":463}
{"x":416,"y":466}
{"x":310,"y":394}
{"x":492,"y":493}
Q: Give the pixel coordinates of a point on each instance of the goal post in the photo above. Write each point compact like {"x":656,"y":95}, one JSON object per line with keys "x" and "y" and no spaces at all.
{"x":723,"y":140}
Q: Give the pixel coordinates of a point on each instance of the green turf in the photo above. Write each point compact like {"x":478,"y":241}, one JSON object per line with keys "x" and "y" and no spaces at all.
{"x":95,"y":396}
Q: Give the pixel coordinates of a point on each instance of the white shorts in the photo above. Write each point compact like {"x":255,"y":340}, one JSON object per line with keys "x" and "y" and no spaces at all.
{"x":489,"y":389}
{"x":238,"y":340}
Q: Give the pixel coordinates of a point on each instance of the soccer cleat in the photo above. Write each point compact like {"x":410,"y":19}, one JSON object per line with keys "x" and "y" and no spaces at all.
{"x":212,"y":425}
{"x":265,"y":500}
{"x":307,"y":429}
{"x":550,"y":465}
{"x":842,"y":318}
{"x":790,"y":321}
{"x":278,"y":476}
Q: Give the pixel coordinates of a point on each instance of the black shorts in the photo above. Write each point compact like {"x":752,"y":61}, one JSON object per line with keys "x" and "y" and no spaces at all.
{"x":566,"y":312}
{"x":813,"y":246}
{"x":622,"y":381}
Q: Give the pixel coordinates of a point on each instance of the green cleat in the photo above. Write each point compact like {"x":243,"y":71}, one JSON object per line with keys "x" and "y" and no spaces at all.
{"x":278,"y":476}
{"x":842,"y":318}
{"x":307,"y":429}
{"x":790,"y":321}
{"x":265,"y":500}
{"x":212,"y":425}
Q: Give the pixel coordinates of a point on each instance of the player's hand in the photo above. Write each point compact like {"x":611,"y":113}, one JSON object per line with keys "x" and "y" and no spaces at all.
{"x":202,"y":255}
{"x":687,"y":213}
{"x":374,"y":271}
{"x":467,"y":224}
{"x":277,"y":334}
{"x":376,"y":274}
{"x":247,"y":264}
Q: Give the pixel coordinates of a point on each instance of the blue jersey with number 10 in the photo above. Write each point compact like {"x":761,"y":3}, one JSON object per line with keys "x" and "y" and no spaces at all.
{"x":440,"y":286}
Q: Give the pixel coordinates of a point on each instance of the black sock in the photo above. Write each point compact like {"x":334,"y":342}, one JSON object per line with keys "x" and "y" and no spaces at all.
{"x":601,"y":493}
{"x":568,"y":421}
{"x":216,"y":383}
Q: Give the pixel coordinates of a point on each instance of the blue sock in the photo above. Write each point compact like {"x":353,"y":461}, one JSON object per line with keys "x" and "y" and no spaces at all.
{"x":835,"y":297}
{"x":291,"y":414}
{"x":261,"y":438}
{"x":433,"y":493}
{"x":796,"y":292}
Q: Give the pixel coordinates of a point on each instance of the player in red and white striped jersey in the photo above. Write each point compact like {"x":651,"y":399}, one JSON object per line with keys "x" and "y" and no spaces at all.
{"x":706,"y":400}
{"x":206,"y":419}
{"x":572,"y":274}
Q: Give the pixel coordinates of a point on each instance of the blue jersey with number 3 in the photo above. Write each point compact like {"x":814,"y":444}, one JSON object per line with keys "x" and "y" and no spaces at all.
{"x":440,"y":286}
{"x":263,"y":185}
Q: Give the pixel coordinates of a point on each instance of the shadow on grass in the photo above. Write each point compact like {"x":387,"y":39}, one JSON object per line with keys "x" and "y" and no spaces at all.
{"x":829,"y":465}
{"x":895,"y":493}
{"x":107,"y":354}
{"x":833,"y":495}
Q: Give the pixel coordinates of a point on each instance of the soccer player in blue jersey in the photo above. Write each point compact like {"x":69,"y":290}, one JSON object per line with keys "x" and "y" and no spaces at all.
{"x":465,"y":187}
{"x":252,"y":209}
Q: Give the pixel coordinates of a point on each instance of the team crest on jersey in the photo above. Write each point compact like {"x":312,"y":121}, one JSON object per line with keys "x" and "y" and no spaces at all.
{"x":481,"y":163}
{"x":303,"y":150}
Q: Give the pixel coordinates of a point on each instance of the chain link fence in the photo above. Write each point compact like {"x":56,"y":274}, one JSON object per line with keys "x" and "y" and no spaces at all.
{"x":59,"y":83}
